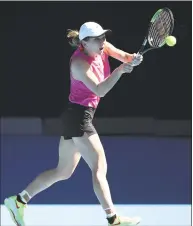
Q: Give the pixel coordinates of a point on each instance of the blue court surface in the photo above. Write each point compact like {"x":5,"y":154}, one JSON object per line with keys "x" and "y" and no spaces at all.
{"x":76,"y":215}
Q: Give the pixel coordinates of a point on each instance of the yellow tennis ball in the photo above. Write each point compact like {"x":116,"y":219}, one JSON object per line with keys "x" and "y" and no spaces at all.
{"x":170,"y":41}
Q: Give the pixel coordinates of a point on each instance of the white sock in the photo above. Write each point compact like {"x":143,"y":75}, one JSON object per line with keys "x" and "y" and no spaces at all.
{"x":110,"y":214}
{"x":23,"y":194}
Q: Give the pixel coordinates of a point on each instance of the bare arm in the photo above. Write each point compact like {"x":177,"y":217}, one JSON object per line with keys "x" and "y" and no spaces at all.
{"x":81,"y":71}
{"x":117,"y":53}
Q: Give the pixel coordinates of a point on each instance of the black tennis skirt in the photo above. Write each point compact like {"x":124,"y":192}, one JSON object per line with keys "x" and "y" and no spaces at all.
{"x":77,"y":120}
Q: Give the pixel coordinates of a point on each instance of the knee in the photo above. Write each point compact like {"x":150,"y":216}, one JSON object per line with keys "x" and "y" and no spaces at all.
{"x":63,"y":174}
{"x":99,"y":174}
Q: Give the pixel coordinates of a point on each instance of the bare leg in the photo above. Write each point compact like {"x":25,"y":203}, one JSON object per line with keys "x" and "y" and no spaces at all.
{"x":92,"y":151}
{"x":68,"y":159}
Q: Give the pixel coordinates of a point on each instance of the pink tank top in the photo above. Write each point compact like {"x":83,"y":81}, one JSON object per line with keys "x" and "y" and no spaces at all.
{"x":79,"y":93}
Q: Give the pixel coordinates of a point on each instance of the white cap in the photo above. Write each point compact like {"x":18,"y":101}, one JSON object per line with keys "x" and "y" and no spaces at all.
{"x":91,"y":29}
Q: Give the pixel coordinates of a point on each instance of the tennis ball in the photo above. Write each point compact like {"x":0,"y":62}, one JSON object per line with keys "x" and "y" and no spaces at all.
{"x":170,"y":41}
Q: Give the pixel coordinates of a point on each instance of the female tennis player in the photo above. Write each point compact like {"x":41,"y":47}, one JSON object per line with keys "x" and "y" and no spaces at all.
{"x":90,"y":79}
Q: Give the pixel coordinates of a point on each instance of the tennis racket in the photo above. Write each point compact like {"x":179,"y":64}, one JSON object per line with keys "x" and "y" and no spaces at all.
{"x":160,"y":26}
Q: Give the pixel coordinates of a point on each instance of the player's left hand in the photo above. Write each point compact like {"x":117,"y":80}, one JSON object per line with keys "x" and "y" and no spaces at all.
{"x":137,"y":59}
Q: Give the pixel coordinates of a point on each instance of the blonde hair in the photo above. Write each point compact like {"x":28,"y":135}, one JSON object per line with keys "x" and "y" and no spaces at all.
{"x":73,"y":37}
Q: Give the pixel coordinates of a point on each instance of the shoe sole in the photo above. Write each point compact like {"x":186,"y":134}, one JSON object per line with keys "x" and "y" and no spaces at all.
{"x":9,"y":206}
{"x":128,"y":224}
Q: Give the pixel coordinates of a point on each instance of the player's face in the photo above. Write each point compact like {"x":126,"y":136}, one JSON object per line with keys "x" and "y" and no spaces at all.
{"x":95,"y":45}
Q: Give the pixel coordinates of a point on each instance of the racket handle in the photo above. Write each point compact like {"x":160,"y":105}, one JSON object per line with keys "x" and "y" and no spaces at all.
{"x":141,"y":51}
{"x":142,"y":47}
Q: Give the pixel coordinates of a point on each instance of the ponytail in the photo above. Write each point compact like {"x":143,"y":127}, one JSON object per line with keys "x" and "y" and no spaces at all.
{"x":73,"y":37}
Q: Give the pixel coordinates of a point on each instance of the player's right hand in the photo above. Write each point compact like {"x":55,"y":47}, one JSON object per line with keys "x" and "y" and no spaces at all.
{"x":126,"y":68}
{"x":137,"y":59}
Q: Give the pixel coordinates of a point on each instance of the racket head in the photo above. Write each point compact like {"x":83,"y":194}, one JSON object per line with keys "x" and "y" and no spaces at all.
{"x":161,"y":26}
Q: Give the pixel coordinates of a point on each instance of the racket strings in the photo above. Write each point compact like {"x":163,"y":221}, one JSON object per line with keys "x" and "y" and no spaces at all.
{"x":160,"y":28}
